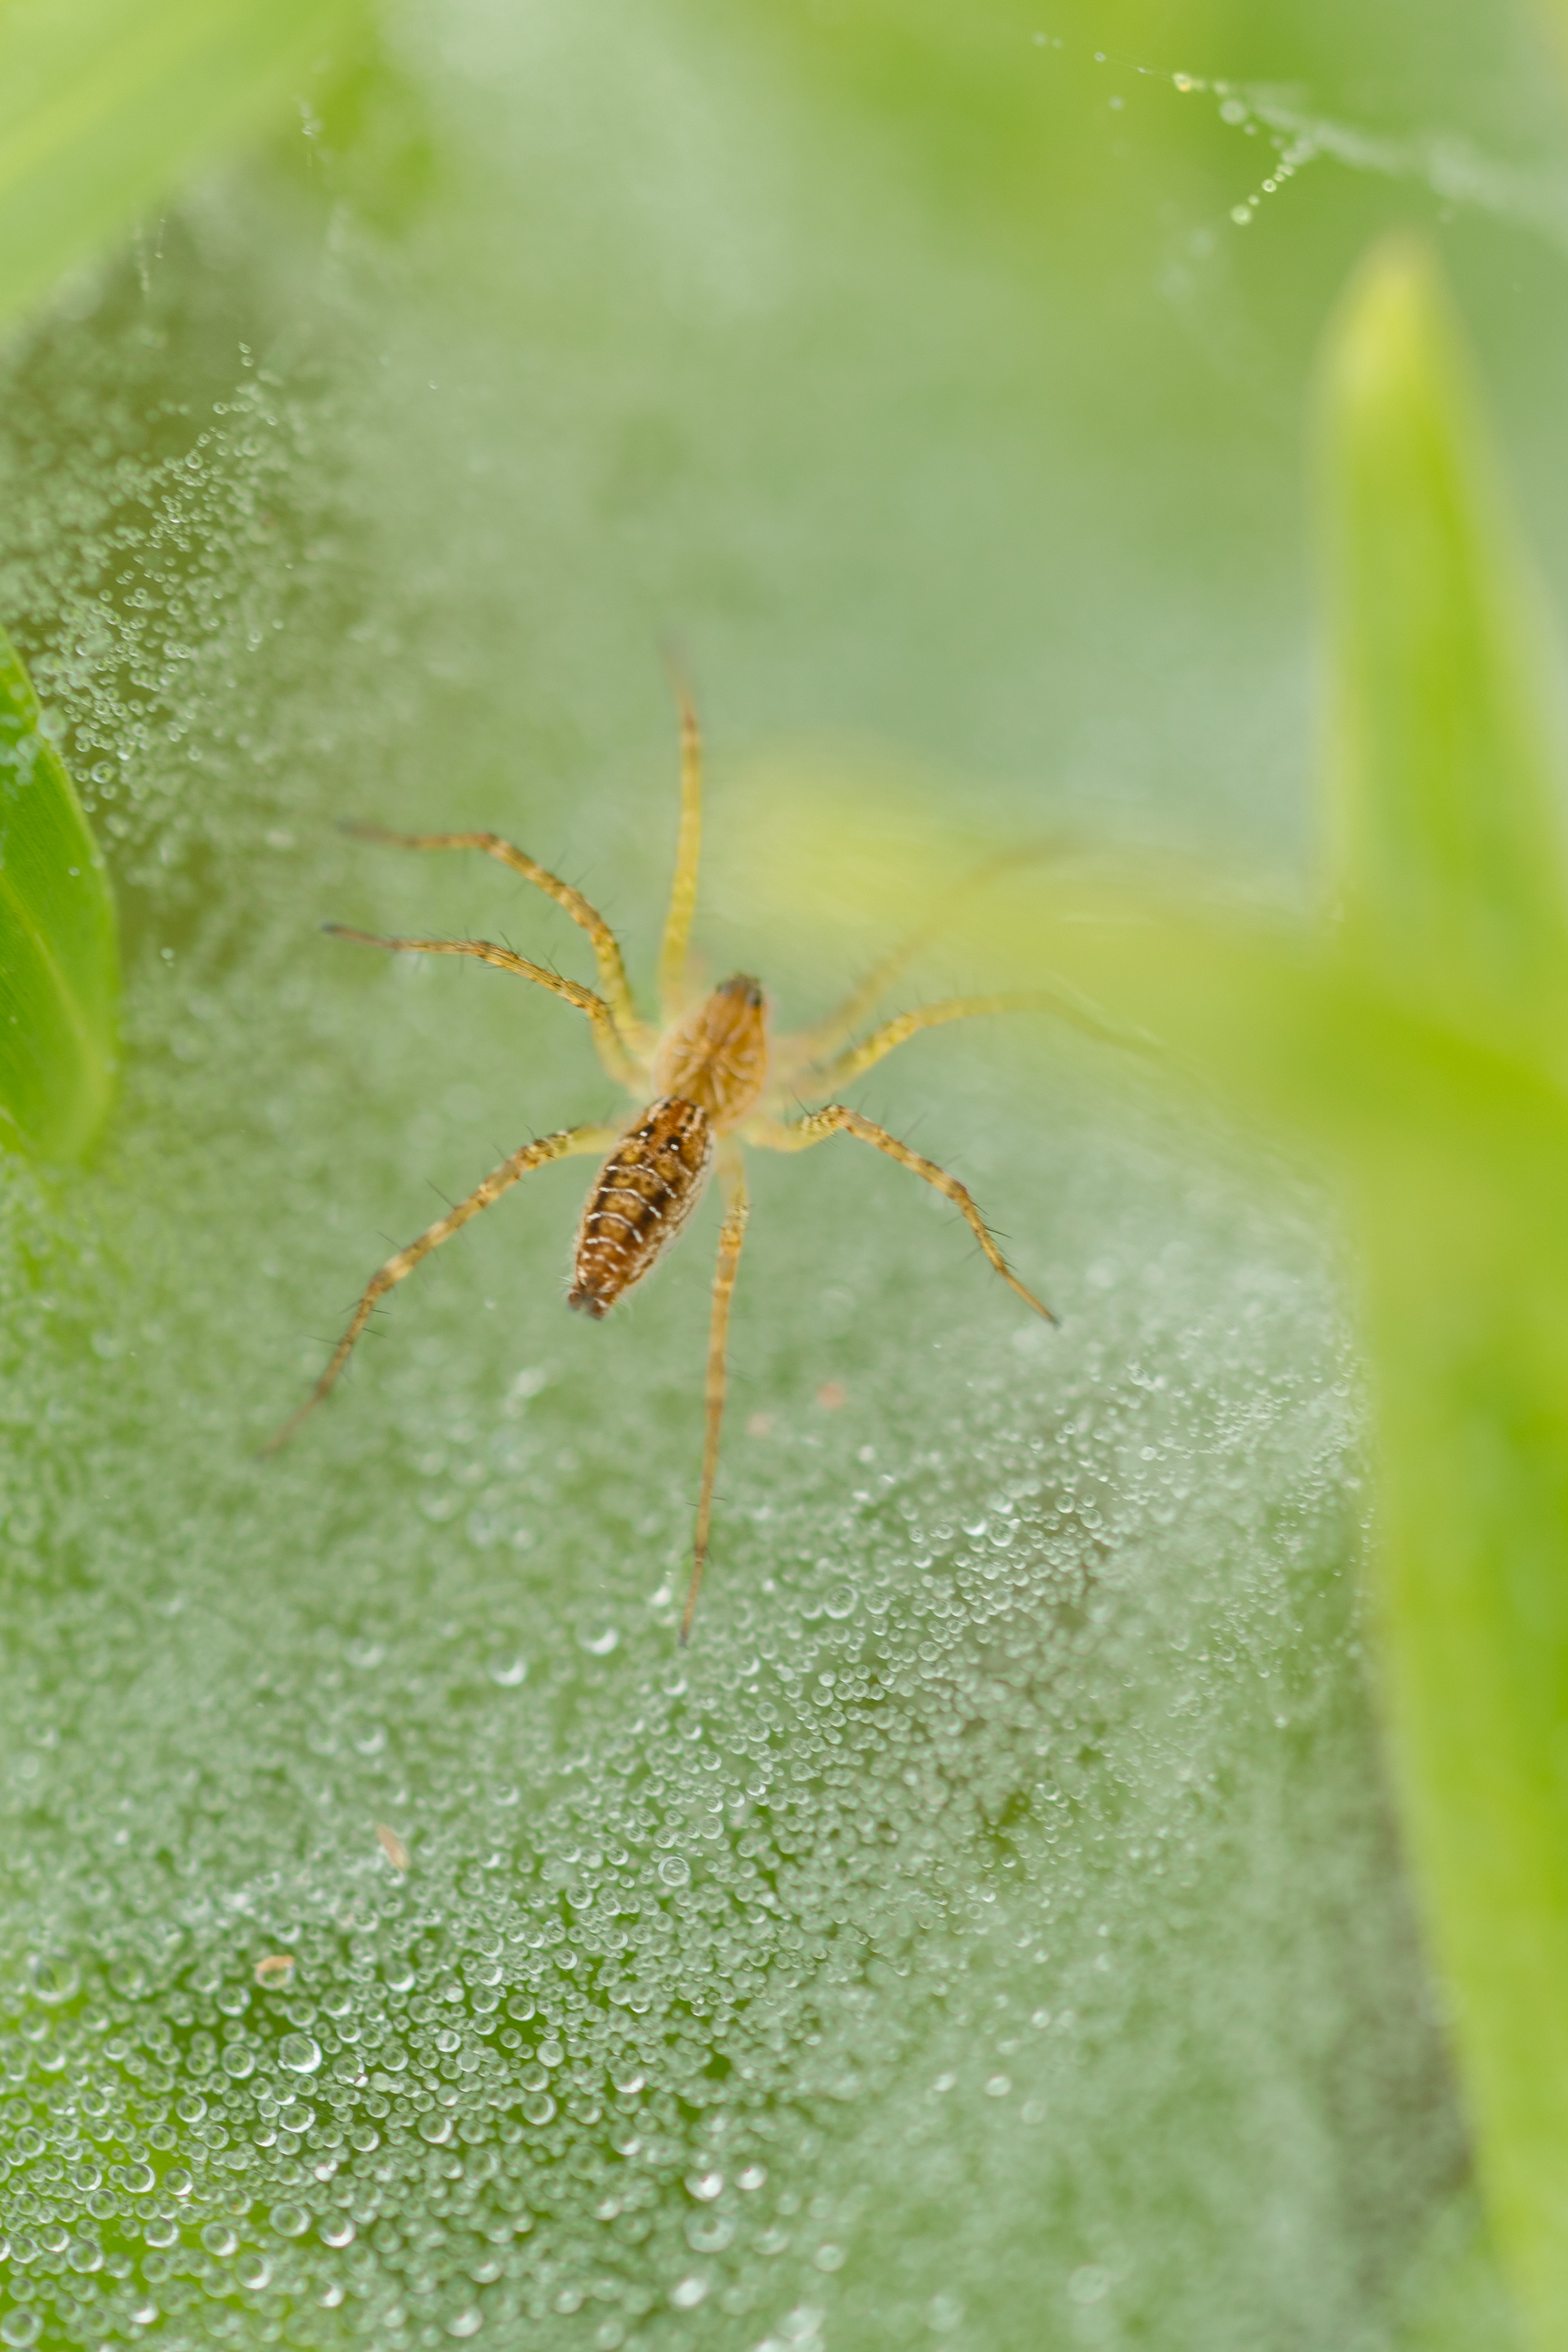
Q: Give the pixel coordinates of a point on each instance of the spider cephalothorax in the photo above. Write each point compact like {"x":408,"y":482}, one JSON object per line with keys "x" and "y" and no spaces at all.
{"x":707,"y":1081}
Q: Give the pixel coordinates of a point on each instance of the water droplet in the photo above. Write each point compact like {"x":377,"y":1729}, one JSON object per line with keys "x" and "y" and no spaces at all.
{"x":998,"y":2086}
{"x":276,"y":1972}
{"x":704,"y":2186}
{"x":238,"y":2062}
{"x":467,"y":2322}
{"x":675,"y":1871}
{"x":20,"y":2327}
{"x":55,"y":1977}
{"x":509,"y":1672}
{"x":689,"y":2293}
{"x":290,"y":2220}
{"x":253,"y":2270}
{"x":599,"y":1645}
{"x":219,"y":2239}
{"x":337,"y":2229}
{"x":298,"y":2053}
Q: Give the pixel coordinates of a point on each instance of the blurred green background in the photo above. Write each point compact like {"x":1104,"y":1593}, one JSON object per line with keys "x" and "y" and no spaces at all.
{"x":995,"y":1932}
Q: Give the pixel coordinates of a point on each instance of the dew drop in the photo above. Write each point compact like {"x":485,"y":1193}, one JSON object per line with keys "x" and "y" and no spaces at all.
{"x":55,"y":1977}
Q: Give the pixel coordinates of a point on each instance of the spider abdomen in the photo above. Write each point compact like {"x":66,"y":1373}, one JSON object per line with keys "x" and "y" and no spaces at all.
{"x":640,"y":1202}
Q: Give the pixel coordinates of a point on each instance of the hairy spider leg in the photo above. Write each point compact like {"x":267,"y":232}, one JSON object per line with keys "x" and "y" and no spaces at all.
{"x":774,"y":1135}
{"x":614,"y":1052}
{"x":810,"y":1046}
{"x":674,"y":977}
{"x":561,"y":1146}
{"x":731,"y":1234}
{"x":606,"y":947}
{"x":854,"y":1060}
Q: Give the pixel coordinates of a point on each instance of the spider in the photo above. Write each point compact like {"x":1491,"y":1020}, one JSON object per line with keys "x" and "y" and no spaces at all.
{"x":707,"y":1081}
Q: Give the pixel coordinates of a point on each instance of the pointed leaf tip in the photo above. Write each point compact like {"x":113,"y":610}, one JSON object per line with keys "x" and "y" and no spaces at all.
{"x":59,"y":969}
{"x":1447,"y":863}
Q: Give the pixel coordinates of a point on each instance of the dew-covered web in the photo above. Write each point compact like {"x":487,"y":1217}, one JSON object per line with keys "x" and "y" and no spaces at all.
{"x":1449,"y":164}
{"x":989,"y":1934}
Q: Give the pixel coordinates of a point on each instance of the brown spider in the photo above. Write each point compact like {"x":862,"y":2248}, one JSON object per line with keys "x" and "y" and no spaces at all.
{"x":708,"y":1080}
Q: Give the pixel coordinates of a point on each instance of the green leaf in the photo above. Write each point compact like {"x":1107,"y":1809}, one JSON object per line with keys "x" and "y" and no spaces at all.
{"x":1447,"y":850}
{"x":59,"y":978}
{"x":1452,"y":870}
{"x":108,"y":102}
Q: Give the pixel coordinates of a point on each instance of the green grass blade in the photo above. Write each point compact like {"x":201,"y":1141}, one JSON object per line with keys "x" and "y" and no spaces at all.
{"x":106,"y":101}
{"x":59,"y":978}
{"x":1453,"y":874}
{"x":1447,"y":848}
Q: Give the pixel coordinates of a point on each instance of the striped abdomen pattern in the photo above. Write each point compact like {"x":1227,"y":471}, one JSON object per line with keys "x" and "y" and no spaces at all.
{"x":641,"y":1199}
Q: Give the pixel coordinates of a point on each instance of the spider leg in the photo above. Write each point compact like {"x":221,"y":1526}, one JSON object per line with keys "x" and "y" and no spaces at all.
{"x":613,"y":1051}
{"x":533,"y":1155}
{"x":606,"y":947}
{"x":733,"y":1176}
{"x":838,"y":1070}
{"x":774,"y":1135}
{"x":673,"y":983}
{"x":814,"y":1045}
